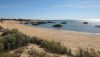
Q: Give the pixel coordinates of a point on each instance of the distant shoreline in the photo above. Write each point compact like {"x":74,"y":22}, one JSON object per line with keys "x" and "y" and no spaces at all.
{"x":96,"y":34}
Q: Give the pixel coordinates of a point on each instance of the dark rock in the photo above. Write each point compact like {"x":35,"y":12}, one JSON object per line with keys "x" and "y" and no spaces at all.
{"x":85,"y":22}
{"x":57,"y":25}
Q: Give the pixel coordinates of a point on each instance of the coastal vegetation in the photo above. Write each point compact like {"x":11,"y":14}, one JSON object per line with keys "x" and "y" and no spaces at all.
{"x":35,"y":53}
{"x":51,"y":46}
{"x":87,"y":53}
{"x":13,"y":39}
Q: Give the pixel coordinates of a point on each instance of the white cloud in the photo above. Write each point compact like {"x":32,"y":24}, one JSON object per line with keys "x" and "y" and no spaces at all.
{"x":82,"y":4}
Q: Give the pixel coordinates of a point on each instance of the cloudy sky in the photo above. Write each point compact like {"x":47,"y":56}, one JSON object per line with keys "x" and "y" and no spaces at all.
{"x":50,"y":9}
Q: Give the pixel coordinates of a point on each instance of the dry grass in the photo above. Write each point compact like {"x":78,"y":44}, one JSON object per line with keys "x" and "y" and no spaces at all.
{"x":13,"y":39}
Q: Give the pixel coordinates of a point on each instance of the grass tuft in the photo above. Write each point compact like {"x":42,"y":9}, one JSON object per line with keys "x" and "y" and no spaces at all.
{"x":35,"y":53}
{"x":87,"y":53}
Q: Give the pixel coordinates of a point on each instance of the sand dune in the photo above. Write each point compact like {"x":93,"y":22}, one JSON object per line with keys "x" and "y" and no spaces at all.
{"x":68,"y":38}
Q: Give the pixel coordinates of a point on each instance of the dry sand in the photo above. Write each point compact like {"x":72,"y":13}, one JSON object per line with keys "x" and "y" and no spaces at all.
{"x":67,"y":38}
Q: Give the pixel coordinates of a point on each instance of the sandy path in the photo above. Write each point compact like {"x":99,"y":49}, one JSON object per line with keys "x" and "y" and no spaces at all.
{"x":69,"y":39}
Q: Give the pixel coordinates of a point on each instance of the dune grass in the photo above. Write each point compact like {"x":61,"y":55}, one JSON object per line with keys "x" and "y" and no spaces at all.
{"x":55,"y":47}
{"x":13,"y":39}
{"x":87,"y":53}
{"x":35,"y":53}
{"x":51,"y":46}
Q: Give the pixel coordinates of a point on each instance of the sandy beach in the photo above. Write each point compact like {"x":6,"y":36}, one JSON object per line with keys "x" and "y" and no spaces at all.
{"x":70,"y":39}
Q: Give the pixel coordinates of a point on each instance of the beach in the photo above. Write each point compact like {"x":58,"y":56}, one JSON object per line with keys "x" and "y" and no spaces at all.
{"x":71,"y":39}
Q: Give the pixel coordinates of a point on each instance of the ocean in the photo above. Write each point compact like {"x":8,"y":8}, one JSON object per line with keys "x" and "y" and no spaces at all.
{"x":71,"y":25}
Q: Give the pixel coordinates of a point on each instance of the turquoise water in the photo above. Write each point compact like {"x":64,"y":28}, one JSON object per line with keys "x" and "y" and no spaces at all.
{"x":72,"y":25}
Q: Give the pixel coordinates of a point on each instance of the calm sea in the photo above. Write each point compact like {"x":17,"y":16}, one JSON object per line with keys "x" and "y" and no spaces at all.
{"x":73,"y":25}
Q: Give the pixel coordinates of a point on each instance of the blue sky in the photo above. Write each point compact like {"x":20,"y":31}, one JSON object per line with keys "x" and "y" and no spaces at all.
{"x":50,"y":9}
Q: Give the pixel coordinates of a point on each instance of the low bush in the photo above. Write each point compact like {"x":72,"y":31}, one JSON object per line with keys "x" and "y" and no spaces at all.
{"x":36,"y":40}
{"x":13,"y":39}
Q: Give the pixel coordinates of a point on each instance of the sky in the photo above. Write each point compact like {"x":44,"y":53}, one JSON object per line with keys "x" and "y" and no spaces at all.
{"x":50,"y":9}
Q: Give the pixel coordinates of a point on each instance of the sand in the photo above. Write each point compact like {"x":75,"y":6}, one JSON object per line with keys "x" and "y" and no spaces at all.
{"x":70,"y":39}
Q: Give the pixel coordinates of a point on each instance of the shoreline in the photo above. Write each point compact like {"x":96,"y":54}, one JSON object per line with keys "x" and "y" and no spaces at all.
{"x":70,"y":39}
{"x":87,"y":33}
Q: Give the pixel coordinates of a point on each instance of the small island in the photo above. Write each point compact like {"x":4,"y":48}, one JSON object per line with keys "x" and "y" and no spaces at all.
{"x":97,"y":26}
{"x":85,"y":22}
{"x":57,"y":25}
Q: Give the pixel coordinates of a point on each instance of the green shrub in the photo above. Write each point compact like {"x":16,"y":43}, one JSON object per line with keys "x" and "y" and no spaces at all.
{"x":8,"y":41}
{"x":13,"y":39}
{"x":36,"y":40}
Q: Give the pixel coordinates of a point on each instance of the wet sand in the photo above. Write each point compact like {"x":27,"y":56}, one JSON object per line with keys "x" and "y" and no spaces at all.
{"x":70,"y":39}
